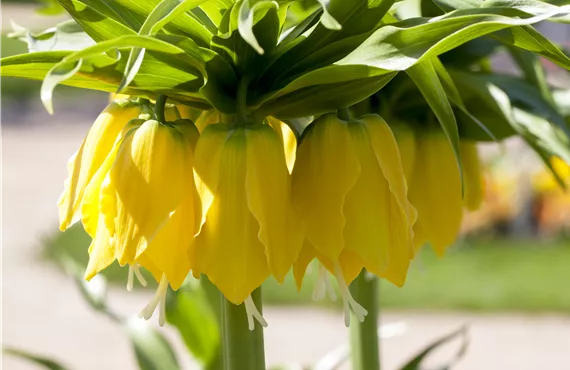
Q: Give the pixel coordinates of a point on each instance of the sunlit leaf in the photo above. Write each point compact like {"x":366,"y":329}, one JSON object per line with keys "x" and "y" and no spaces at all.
{"x":416,"y":362}
{"x":189,"y":311}
{"x":152,"y":350}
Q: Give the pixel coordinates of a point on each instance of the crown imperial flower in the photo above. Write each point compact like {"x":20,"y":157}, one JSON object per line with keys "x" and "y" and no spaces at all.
{"x":249,"y":227}
{"x":349,"y":185}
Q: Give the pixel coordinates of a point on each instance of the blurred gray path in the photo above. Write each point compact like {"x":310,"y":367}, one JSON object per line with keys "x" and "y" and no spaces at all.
{"x":43,"y":312}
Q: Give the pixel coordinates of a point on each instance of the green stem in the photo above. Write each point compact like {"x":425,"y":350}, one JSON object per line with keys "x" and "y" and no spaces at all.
{"x":241,"y":100}
{"x":159,"y":108}
{"x":343,"y":114}
{"x":242,"y":349}
{"x":364,"y":335}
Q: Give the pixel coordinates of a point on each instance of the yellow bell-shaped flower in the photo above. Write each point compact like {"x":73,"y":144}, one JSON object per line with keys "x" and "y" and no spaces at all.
{"x":142,"y":206}
{"x":249,"y":227}
{"x":150,"y":179}
{"x":435,"y":188}
{"x":88,"y":159}
{"x":349,"y":185}
{"x":101,"y":251}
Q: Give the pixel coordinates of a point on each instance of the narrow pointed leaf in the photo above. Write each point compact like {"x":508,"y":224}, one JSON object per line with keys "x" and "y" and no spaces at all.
{"x":327,"y":19}
{"x":426,"y":79}
{"x":246,"y":18}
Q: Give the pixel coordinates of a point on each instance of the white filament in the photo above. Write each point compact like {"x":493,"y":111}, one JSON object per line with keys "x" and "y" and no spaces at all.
{"x":159,"y":299}
{"x":139,"y":276}
{"x":348,"y":301}
{"x":323,"y":286}
{"x":134,"y":270}
{"x":130,"y":278}
{"x":252,"y":312}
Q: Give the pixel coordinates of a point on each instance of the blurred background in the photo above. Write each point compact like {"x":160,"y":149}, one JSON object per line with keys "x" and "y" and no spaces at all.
{"x":506,"y":278}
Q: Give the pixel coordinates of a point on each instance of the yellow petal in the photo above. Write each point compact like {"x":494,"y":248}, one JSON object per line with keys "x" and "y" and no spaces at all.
{"x":474,"y":192}
{"x":168,"y":251}
{"x":269,"y":199}
{"x":306,"y":255}
{"x":288,"y":139}
{"x":212,"y":142}
{"x":407,"y":147}
{"x":90,"y":204}
{"x":101,"y":252}
{"x":326,"y":169}
{"x":228,"y":249}
{"x":378,"y":214}
{"x":93,"y":151}
{"x":350,"y":263}
{"x":435,"y":191}
{"x":146,"y":183}
{"x":207,"y":118}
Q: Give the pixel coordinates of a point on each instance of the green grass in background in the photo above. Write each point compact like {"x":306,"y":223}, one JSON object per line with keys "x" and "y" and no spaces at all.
{"x":496,"y":275}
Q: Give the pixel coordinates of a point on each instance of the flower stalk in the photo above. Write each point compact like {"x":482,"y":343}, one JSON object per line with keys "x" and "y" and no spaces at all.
{"x":159,"y":108}
{"x":241,"y":348}
{"x":364,"y":335}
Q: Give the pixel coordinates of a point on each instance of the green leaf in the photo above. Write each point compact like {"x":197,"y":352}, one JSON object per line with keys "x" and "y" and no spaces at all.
{"x":103,"y":73}
{"x":530,"y":98}
{"x":246,"y":20}
{"x":236,"y":50}
{"x":488,"y":103}
{"x":164,"y":12}
{"x":41,"y":361}
{"x":416,"y":362}
{"x":320,"y":99}
{"x":455,"y":97}
{"x":189,"y":311}
{"x":426,"y":79}
{"x":65,"y":36}
{"x":152,"y":350}
{"x":99,"y":26}
{"x":184,"y":24}
{"x":541,"y":134}
{"x":327,"y":19}
{"x":63,"y":69}
{"x":399,"y":46}
{"x":357,"y":17}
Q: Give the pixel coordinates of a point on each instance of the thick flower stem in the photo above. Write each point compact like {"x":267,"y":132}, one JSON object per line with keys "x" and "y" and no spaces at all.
{"x":159,"y":108}
{"x":241,"y":348}
{"x":364,"y":335}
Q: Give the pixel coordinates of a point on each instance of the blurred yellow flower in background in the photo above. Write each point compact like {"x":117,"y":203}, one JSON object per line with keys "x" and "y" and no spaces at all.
{"x":350,"y":189}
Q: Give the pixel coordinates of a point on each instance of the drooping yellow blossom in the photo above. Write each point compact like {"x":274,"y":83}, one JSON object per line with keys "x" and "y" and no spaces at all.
{"x":552,"y":202}
{"x":349,"y":186}
{"x":150,"y":179}
{"x":435,"y":189}
{"x":474,"y":183}
{"x":142,"y":207}
{"x":250,"y":229}
{"x":91,"y":154}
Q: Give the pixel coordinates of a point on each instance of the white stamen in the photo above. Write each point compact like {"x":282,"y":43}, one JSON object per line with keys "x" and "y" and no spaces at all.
{"x":130,"y":278}
{"x":252,"y":312}
{"x":320,"y":288}
{"x":323,"y":286}
{"x":134,"y":270}
{"x":348,"y":301}
{"x":139,"y":276}
{"x":330,"y":290}
{"x":159,"y":298}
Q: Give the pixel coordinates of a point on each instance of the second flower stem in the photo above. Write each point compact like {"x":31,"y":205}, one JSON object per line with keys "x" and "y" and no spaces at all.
{"x":242,"y":349}
{"x":365,"y":352}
